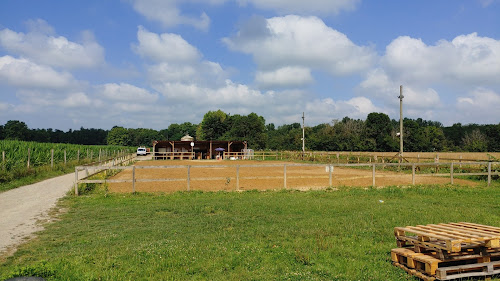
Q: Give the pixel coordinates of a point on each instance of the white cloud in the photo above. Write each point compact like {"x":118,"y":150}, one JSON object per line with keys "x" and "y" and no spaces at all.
{"x":76,"y":100}
{"x":167,"y":47}
{"x":380,"y":85}
{"x":284,"y":77}
{"x":126,"y":92}
{"x":40,"y":46}
{"x":466,"y":59}
{"x":168,"y":14}
{"x":315,"y":7}
{"x":480,"y":106}
{"x":294,"y":41}
{"x":26,"y":74}
{"x":174,"y":60}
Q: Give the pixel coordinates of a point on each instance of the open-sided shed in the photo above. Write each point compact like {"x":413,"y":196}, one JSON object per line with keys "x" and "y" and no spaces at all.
{"x":168,"y":149}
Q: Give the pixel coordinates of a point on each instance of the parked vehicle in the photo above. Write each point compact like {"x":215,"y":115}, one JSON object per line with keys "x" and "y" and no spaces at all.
{"x":141,"y":151}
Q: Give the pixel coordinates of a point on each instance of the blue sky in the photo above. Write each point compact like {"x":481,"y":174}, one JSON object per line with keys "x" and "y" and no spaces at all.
{"x":150,"y":63}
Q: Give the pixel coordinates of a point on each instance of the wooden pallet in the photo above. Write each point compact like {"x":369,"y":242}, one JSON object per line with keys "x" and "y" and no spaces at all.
{"x":417,"y":261}
{"x":468,"y":271}
{"x":415,"y":273}
{"x":452,"y":237}
{"x":428,"y":268}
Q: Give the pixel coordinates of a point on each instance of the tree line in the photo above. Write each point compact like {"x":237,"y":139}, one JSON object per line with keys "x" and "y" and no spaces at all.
{"x":377,"y":133}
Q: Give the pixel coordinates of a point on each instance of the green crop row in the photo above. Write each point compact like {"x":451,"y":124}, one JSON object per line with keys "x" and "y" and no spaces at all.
{"x":15,"y":154}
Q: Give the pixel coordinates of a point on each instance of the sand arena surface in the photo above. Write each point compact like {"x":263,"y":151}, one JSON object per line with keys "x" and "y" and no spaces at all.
{"x":223,"y":177}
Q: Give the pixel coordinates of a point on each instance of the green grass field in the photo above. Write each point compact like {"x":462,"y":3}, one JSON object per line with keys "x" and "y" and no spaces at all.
{"x":275,"y":235}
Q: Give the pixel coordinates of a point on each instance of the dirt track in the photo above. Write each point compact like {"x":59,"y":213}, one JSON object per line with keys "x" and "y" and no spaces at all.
{"x":224,"y":178}
{"x":23,"y":207}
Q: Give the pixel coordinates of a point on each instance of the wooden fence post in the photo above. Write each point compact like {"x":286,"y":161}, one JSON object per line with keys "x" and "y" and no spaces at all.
{"x":489,"y":174}
{"x":76,"y":181}
{"x":29,"y":154}
{"x":189,"y":178}
{"x":284,"y":175}
{"x":238,"y":177}
{"x":451,"y":173}
{"x":52,"y":158}
{"x":330,"y":170}
{"x":133,"y":179}
{"x":65,"y":157}
{"x":436,"y":160}
{"x":373,"y":174}
{"x":338,"y":158}
{"x":3,"y":160}
{"x":413,"y":174}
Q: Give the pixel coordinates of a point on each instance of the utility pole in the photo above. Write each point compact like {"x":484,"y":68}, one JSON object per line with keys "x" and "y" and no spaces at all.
{"x":401,"y":123}
{"x":303,"y":135}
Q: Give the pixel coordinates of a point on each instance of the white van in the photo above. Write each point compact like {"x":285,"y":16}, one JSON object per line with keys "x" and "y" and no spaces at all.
{"x":141,"y":151}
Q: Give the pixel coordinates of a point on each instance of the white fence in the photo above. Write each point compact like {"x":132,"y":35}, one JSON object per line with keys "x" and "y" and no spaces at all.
{"x":328,"y":168}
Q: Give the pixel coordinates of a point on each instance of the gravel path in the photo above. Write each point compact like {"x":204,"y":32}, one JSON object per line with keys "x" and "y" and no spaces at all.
{"x":21,"y":208}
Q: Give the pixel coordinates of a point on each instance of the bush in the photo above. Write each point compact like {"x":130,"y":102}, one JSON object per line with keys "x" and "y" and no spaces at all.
{"x":42,"y":269}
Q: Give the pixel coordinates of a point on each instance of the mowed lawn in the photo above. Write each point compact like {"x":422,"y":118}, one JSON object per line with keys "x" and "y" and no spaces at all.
{"x":276,"y":235}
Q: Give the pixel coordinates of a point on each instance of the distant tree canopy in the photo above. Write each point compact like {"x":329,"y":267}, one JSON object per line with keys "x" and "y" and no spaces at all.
{"x":377,"y":133}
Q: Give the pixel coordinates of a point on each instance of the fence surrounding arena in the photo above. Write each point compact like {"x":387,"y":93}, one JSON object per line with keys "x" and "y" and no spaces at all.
{"x":365,"y":157}
{"x":452,"y":171}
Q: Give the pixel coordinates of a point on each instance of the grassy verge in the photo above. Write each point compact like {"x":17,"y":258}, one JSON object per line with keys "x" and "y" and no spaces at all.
{"x":13,"y":179}
{"x":285,"y":235}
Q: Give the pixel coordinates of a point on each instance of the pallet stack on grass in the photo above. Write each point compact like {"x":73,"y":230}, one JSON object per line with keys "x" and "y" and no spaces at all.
{"x":448,"y":251}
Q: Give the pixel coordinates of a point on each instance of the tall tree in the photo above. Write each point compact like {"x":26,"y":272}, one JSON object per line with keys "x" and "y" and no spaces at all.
{"x":16,"y":130}
{"x":213,"y":126}
{"x":378,"y":128}
{"x":249,"y":128}
{"x":475,"y":141}
{"x":119,"y":136}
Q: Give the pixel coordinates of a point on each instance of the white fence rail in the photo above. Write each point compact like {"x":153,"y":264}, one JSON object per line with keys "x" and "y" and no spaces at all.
{"x":328,"y":167}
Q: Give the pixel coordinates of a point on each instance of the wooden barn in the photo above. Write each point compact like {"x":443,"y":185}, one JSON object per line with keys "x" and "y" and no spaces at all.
{"x":188,"y":148}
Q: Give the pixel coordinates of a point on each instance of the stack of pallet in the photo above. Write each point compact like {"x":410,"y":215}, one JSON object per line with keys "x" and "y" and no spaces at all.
{"x":448,"y":251}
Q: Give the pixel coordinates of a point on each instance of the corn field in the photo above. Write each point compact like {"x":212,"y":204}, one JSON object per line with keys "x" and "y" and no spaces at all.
{"x":27,"y":155}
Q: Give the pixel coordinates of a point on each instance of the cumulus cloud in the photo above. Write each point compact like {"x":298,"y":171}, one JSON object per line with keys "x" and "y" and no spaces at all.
{"x":306,"y":42}
{"x":168,"y":14}
{"x":167,"y":47}
{"x":418,"y":100}
{"x":481,"y":104}
{"x":467,"y":58}
{"x":173,"y":59}
{"x":314,"y":7}
{"x":41,"y":46}
{"x":26,"y":74}
{"x":76,"y":100}
{"x":126,"y":92}
{"x":379,"y":85}
{"x":284,"y":77}
{"x":277,"y":106}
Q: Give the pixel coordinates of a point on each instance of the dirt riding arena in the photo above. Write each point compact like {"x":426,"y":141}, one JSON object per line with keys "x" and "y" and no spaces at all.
{"x":170,"y":177}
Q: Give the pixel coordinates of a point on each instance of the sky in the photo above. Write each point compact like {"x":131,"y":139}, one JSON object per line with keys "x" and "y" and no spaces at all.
{"x":151,"y":63}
